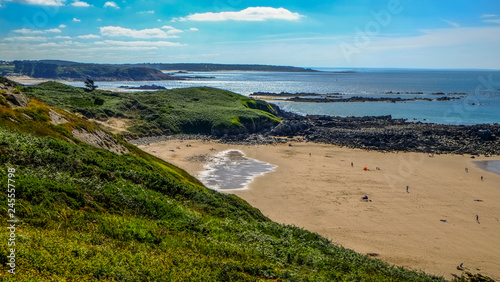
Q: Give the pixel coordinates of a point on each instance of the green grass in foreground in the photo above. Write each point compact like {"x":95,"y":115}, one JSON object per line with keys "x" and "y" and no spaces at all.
{"x":194,"y":110}
{"x":89,"y":214}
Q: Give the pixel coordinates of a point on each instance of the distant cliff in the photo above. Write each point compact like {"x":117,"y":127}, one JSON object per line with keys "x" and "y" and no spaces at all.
{"x":67,"y":70}
{"x":78,"y":71}
{"x":224,"y":67}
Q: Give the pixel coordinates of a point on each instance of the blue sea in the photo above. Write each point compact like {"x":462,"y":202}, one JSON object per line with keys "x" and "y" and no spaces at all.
{"x":478,"y":90}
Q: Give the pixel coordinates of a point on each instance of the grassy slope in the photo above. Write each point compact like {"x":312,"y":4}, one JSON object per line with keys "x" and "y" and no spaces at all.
{"x":89,"y":214}
{"x":191,"y":110}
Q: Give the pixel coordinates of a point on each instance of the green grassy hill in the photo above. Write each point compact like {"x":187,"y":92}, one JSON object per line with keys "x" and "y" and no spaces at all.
{"x":201,"y":110}
{"x":87,"y":214}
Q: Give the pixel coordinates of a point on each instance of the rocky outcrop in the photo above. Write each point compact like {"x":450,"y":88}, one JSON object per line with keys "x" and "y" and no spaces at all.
{"x":144,"y":87}
{"x":100,"y":139}
{"x":56,"y":118}
{"x":16,"y":100}
{"x":385,"y":133}
{"x":13,"y":97}
{"x":328,"y":99}
{"x":377,"y":133}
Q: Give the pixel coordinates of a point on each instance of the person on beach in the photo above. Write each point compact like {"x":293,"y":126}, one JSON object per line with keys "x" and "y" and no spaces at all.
{"x":352,"y":165}
{"x":477,"y":218}
{"x":467,"y":170}
{"x":407,"y":189}
{"x":481,"y":178}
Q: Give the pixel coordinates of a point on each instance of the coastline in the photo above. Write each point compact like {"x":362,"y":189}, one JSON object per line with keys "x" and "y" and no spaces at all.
{"x":401,"y":228}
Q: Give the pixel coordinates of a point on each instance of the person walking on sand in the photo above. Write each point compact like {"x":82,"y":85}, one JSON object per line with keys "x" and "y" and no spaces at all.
{"x":352,"y":164}
{"x":407,"y":189}
{"x":481,"y":178}
{"x":477,"y":218}
{"x":467,"y":170}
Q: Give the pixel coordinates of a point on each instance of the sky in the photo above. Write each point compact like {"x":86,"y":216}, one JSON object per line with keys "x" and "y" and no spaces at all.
{"x":440,"y":34}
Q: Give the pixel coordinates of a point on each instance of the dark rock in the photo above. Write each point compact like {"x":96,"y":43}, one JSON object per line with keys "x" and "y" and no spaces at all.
{"x":486,"y":134}
{"x":144,"y":87}
{"x":385,"y":133}
{"x":447,"y":98}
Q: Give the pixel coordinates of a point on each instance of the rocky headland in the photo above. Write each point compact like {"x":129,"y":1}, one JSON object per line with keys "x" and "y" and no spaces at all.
{"x":386,"y":133}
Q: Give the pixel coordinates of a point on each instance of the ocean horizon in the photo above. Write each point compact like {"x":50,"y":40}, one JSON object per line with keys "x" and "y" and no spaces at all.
{"x":475,"y":94}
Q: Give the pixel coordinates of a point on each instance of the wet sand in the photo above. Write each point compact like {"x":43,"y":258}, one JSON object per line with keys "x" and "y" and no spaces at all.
{"x":432,"y":227}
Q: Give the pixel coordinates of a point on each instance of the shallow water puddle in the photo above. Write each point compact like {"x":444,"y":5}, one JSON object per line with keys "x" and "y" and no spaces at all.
{"x":232,"y":170}
{"x":493,"y":166}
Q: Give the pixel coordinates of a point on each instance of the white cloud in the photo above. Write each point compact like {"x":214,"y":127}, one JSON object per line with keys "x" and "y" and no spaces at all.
{"x":111,"y":4}
{"x":32,"y":31}
{"x":194,"y":29}
{"x":497,"y":21}
{"x":88,"y":36}
{"x":147,"y":44}
{"x":62,"y":37}
{"x":134,"y":33}
{"x":41,"y":2}
{"x":488,"y":16}
{"x":62,"y":26}
{"x":76,"y":20}
{"x":25,"y":38}
{"x":146,"y":12}
{"x":248,"y":14}
{"x":54,"y":30}
{"x":80,"y":4}
{"x":171,"y":30}
{"x":59,"y":44}
{"x":28,"y":31}
{"x":49,"y":44}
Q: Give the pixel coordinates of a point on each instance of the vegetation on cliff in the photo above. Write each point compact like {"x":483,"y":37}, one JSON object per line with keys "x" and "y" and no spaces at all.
{"x":77,"y":71}
{"x":200,"y":110}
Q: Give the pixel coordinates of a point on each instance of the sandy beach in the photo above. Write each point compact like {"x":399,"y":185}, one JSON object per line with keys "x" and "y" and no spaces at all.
{"x":431,"y":227}
{"x":27,"y":80}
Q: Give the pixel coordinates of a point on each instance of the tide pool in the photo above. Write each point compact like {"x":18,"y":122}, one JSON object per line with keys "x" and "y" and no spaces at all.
{"x":232,"y":170}
{"x":492,"y":166}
